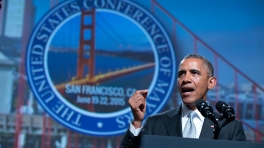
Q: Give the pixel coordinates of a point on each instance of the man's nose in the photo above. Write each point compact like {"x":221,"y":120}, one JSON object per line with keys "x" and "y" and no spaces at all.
{"x":186,"y":78}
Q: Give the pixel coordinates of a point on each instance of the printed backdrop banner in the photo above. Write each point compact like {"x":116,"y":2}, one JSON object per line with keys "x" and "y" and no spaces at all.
{"x":68,"y":67}
{"x":85,"y":80}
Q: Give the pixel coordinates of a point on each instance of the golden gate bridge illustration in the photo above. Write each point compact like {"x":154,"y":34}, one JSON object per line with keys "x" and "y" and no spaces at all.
{"x":91,"y":78}
{"x":49,"y":129}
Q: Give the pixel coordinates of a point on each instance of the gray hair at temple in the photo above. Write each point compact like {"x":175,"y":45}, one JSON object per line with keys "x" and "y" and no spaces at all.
{"x":207,"y":63}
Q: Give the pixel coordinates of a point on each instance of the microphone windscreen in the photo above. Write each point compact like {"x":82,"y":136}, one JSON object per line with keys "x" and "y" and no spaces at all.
{"x":199,"y":103}
{"x":219,"y":105}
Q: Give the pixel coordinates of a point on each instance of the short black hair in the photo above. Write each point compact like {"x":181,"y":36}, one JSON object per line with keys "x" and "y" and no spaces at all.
{"x":209,"y":65}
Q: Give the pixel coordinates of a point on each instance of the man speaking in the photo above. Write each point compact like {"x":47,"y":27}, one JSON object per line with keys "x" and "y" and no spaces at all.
{"x":195,"y":78}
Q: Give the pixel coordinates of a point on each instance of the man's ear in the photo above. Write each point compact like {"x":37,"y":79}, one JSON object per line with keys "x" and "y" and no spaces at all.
{"x":212,"y":82}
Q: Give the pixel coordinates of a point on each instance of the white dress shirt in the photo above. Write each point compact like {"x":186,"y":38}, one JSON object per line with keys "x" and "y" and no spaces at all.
{"x":185,"y":111}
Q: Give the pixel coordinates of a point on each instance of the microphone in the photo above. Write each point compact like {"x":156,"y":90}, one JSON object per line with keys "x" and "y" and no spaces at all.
{"x":207,"y":112}
{"x":204,"y":108}
{"x":227,"y":111}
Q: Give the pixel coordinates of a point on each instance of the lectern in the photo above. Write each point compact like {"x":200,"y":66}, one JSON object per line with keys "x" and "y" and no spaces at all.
{"x":150,"y":141}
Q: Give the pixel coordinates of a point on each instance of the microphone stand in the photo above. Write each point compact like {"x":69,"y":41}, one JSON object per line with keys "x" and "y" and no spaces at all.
{"x":216,"y":125}
{"x":207,"y":112}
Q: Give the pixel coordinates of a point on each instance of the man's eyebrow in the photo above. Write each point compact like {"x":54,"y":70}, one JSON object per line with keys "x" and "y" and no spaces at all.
{"x":181,"y":70}
{"x":195,"y":70}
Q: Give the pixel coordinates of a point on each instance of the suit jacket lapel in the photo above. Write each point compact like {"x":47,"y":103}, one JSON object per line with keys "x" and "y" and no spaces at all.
{"x":173,"y":123}
{"x":207,"y":129}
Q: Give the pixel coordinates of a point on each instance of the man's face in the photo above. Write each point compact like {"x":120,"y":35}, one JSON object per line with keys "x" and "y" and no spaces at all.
{"x":193,"y":81}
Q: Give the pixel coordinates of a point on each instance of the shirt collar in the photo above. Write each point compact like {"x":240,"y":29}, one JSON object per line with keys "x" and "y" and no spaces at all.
{"x":186,"y":111}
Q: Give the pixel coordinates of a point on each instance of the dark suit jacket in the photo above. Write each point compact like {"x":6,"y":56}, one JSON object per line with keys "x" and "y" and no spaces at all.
{"x":169,"y":124}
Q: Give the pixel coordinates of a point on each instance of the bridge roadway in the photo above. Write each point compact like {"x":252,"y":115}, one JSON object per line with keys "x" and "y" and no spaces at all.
{"x":104,"y":77}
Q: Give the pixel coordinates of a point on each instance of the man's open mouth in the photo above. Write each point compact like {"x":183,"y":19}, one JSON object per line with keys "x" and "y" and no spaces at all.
{"x":187,"y":90}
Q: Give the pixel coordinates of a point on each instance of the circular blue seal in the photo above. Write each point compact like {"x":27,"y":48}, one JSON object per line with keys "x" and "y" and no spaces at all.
{"x":94,"y":101}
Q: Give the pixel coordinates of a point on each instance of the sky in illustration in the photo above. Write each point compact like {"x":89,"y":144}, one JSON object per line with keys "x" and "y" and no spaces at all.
{"x":235,"y":29}
{"x":109,"y":35}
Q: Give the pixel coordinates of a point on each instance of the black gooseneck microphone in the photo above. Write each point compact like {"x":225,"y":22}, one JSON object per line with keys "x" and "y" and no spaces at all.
{"x":224,"y":109}
{"x":207,"y":112}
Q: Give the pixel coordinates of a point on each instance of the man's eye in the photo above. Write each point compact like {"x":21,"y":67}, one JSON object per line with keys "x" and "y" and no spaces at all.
{"x":180,"y":73}
{"x":195,"y":72}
